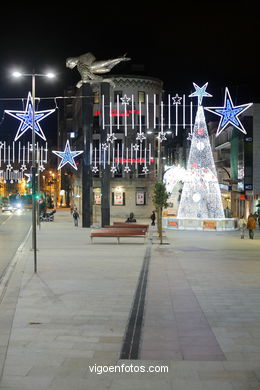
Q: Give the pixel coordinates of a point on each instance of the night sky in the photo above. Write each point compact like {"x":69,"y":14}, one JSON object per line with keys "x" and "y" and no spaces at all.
{"x":216,"y":43}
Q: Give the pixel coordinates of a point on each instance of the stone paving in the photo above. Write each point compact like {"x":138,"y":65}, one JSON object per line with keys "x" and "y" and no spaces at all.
{"x":201,"y":318}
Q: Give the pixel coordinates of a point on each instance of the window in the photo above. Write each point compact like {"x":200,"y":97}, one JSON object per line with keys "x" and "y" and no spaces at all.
{"x":119,"y":94}
{"x":96,"y":97}
{"x":141,"y":97}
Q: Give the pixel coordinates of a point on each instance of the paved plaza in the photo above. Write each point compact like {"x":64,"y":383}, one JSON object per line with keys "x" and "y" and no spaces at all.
{"x":200,"y":311}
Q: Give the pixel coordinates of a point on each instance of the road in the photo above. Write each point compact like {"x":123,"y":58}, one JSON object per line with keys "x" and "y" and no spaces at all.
{"x":13,"y":230}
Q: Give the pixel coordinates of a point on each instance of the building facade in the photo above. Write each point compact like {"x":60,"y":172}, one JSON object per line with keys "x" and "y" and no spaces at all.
{"x":134,"y":108}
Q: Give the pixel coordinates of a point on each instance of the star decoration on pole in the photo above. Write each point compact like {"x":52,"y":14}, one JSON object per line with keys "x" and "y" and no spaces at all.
{"x":67,"y":156}
{"x":104,"y":146}
{"x":229,"y":114}
{"x":125,"y":99}
{"x":113,"y":169}
{"x":161,"y":136}
{"x":95,"y":169}
{"x":176,"y":99}
{"x":26,"y":118}
{"x":111,"y":137}
{"x":200,"y":92}
{"x":140,"y":136}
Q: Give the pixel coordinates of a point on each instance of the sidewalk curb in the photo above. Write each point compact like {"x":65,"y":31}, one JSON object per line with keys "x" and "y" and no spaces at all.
{"x":10,"y":285}
{"x":4,"y":280}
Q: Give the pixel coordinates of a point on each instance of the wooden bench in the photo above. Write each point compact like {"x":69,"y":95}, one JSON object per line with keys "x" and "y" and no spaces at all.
{"x":128,"y":226}
{"x":131,"y":225}
{"x":118,"y":232}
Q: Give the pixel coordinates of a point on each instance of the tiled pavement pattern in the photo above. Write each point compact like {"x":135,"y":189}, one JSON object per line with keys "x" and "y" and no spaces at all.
{"x":75,"y":311}
{"x":175,"y":327}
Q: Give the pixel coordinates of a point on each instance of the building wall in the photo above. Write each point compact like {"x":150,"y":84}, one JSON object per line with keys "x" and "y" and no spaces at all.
{"x":129,"y":190}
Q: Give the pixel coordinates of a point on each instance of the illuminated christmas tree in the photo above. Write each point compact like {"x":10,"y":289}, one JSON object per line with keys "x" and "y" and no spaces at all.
{"x":201,"y":196}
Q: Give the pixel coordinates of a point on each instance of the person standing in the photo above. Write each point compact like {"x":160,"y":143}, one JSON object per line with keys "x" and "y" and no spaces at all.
{"x":153,"y":217}
{"x":75,"y":215}
{"x":242,"y":226}
{"x":251,"y":225}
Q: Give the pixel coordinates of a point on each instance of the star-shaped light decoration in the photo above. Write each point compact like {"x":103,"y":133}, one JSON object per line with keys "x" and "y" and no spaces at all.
{"x":136,"y":147}
{"x":113,"y":169}
{"x":9,"y":167}
{"x":41,"y":168}
{"x":229,"y":114}
{"x":95,"y":169}
{"x":23,"y":167}
{"x":145,"y":170}
{"x":104,"y":146}
{"x":140,"y":136}
{"x":67,"y":156}
{"x":125,"y":99}
{"x":176,"y":99}
{"x":161,"y":136}
{"x":127,"y":169}
{"x":111,"y":137}
{"x":26,"y":118}
{"x":200,"y":92}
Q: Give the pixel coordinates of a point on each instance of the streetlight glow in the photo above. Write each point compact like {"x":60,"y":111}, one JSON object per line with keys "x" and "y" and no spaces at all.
{"x":50,"y":75}
{"x":17,"y":74}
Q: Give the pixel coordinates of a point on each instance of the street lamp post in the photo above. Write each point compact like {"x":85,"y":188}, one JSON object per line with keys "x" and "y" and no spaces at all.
{"x":33,"y":168}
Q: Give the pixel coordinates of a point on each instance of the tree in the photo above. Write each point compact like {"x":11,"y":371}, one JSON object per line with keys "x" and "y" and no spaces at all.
{"x":160,"y":197}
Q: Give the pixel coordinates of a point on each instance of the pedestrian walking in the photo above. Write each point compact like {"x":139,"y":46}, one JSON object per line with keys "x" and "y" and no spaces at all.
{"x":242,"y":226}
{"x":251,"y":225}
{"x":75,"y":215}
{"x":153,"y":217}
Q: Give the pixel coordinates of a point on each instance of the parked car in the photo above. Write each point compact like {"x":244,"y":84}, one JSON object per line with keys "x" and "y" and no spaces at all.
{"x":7,"y":207}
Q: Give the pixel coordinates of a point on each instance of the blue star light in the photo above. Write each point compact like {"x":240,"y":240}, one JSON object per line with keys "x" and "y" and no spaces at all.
{"x":26,"y":118}
{"x":229,"y":114}
{"x":67,"y":156}
{"x":200,"y":92}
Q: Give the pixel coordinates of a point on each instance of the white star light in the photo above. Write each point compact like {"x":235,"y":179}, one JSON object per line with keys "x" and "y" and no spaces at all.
{"x":176,"y":99}
{"x":127,"y":169}
{"x":113,"y":169}
{"x":200,"y":92}
{"x":161,"y":136}
{"x":111,"y":137}
{"x":95,"y":169}
{"x":140,"y":137}
{"x":145,"y":170}
{"x":104,"y":146}
{"x":67,"y":156}
{"x":26,"y":118}
{"x":229,"y":114}
{"x":125,"y":99}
